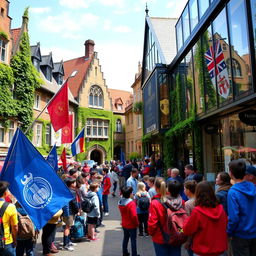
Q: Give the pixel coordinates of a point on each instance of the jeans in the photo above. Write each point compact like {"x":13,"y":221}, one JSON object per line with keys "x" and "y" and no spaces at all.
{"x":114,"y":186}
{"x":9,"y":250}
{"x":105,"y":203}
{"x":25,"y":246}
{"x":143,"y":222}
{"x":167,"y":250}
{"x":132,"y":234}
{"x":243,"y":247}
{"x":48,"y":236}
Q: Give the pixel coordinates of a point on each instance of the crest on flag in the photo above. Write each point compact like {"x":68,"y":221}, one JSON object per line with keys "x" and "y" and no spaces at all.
{"x":215,"y":53}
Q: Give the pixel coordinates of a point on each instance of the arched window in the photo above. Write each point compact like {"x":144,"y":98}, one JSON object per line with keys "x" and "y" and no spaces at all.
{"x":236,"y":67}
{"x":118,"y":125}
{"x":96,"y":97}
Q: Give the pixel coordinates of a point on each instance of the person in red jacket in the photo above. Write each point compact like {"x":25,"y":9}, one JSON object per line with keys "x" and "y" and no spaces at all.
{"x":106,"y":191}
{"x":129,"y":220}
{"x":207,"y":223}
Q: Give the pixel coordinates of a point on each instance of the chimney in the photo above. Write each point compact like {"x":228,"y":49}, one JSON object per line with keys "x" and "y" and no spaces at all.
{"x":89,"y":48}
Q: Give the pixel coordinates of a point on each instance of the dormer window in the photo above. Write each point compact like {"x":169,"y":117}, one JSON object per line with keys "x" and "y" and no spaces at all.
{"x":36,"y":63}
{"x":119,"y":106}
{"x":96,"y":97}
{"x":49,"y":74}
{"x":3,"y":46}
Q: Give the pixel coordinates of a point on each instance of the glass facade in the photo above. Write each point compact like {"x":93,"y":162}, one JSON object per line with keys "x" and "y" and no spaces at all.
{"x":253,"y":10}
{"x":193,"y":11}
{"x":185,"y":24}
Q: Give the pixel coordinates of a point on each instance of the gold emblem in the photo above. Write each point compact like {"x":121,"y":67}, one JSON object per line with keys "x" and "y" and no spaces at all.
{"x":66,"y":131}
{"x":164,"y":106}
{"x":60,"y":108}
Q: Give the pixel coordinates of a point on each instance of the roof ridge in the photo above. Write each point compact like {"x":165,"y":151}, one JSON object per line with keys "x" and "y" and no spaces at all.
{"x":74,"y":59}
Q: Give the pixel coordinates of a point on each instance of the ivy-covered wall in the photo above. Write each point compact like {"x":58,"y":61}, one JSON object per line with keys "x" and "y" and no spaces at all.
{"x":108,"y":145}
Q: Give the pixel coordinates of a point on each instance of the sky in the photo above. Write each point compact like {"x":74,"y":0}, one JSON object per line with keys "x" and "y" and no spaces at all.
{"x":116,"y":26}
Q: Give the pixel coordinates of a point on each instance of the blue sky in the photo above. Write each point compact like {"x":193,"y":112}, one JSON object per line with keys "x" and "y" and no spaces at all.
{"x":116,"y":26}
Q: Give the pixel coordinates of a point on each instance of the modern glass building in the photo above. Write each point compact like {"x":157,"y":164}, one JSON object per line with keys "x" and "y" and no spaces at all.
{"x":212,"y":86}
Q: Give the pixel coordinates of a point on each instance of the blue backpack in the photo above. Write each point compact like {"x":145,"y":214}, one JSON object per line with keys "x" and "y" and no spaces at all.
{"x":78,"y":229}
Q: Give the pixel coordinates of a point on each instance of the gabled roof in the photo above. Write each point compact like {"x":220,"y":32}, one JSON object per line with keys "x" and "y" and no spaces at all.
{"x":117,"y":95}
{"x":47,"y":60}
{"x":35,"y":51}
{"x":15,"y":35}
{"x":163,"y":30}
{"x":80,"y":65}
{"x":58,"y":68}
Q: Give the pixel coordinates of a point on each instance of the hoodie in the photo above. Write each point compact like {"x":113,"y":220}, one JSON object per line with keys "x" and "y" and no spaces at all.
{"x":95,"y":213}
{"x":128,"y":212}
{"x":242,"y":210}
{"x":207,"y":226}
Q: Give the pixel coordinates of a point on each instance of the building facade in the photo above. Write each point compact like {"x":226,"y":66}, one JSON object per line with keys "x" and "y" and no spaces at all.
{"x":212,"y":86}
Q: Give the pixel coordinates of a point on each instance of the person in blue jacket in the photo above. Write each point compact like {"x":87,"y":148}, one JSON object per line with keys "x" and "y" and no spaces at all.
{"x":241,"y":211}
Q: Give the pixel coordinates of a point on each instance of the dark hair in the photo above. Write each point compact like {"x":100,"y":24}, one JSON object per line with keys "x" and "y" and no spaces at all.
{"x":3,"y":187}
{"x":205,"y":195}
{"x":105,"y":170}
{"x":85,"y":174}
{"x":72,"y":171}
{"x":126,"y":191}
{"x":152,"y":179}
{"x":174,"y":188}
{"x":93,"y":173}
{"x":191,"y":185}
{"x":225,"y":178}
{"x":134,"y":170}
{"x":237,"y":168}
{"x":147,"y":161}
{"x":93,"y":186}
{"x":127,"y":161}
{"x":198,"y":177}
{"x":94,"y":166}
{"x":68,"y":181}
{"x":79,"y":181}
{"x":190,"y":167}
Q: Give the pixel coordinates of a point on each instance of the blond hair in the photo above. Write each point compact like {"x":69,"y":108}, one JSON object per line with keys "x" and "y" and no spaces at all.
{"x":141,"y":187}
{"x":160,"y":186}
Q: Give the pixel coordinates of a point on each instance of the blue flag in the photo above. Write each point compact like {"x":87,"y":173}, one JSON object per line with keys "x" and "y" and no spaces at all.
{"x":122,"y":157}
{"x":52,"y":158}
{"x":37,"y":188}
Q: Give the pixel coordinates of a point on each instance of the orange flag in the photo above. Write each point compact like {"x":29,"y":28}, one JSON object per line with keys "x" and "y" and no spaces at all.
{"x":58,"y":108}
{"x":64,"y":159}
{"x":67,"y":131}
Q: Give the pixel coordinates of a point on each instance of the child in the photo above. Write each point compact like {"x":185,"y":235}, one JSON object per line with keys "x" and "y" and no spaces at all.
{"x":106,"y":190}
{"x":142,"y":207}
{"x":114,"y":179}
{"x":207,"y":223}
{"x":92,"y":217}
{"x":151,"y":184}
{"x":130,"y":221}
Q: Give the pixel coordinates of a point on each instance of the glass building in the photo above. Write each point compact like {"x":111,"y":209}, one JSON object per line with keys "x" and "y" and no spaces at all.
{"x":212,"y":87}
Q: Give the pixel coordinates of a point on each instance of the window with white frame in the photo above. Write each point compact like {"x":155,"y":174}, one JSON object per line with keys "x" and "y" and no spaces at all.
{"x":48,"y":134}
{"x":96,"y":97}
{"x":37,"y":101}
{"x":38,"y":135}
{"x":139,"y":121}
{"x":10,"y":131}
{"x":47,"y":101}
{"x":96,"y":128}
{"x":1,"y":133}
{"x":118,"y":125}
{"x":3,"y":46}
{"x":119,"y":106}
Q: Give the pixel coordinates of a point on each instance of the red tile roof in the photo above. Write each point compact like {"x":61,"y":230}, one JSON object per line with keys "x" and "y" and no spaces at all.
{"x":15,"y":35}
{"x":80,"y":65}
{"x":117,"y":96}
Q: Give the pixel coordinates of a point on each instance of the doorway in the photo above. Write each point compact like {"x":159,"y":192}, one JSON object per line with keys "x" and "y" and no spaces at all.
{"x":96,"y":156}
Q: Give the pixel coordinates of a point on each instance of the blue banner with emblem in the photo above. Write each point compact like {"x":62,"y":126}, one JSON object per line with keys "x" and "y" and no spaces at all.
{"x":37,"y":188}
{"x":52,"y":158}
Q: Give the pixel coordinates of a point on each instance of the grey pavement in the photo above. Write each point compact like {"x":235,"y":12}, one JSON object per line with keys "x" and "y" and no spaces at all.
{"x":110,"y":239}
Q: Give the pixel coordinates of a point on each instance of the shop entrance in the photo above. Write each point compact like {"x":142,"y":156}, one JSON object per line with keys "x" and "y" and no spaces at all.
{"x":96,"y":156}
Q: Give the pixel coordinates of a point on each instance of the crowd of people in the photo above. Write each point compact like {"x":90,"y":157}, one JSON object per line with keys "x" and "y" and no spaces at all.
{"x":216,"y":221}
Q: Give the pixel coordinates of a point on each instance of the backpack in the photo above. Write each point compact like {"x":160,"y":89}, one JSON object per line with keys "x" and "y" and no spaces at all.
{"x":2,"y":238}
{"x":86,"y":205}
{"x":172,"y":230}
{"x":78,"y":229}
{"x":143,"y":203}
{"x":74,"y":206}
{"x":26,"y":229}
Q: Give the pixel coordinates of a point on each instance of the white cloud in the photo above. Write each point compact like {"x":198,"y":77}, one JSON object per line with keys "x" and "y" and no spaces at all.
{"x":112,"y":2}
{"x":40,"y":10}
{"x":119,"y":63}
{"x":75,"y":4}
{"x":68,"y":25}
{"x":107,"y":24}
{"x":122,"y":29}
{"x":176,"y":7}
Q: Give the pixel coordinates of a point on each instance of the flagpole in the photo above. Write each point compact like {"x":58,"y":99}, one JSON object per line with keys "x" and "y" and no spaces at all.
{"x":48,"y":104}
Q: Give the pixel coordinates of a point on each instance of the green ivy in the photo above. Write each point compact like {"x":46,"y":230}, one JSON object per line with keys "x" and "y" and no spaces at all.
{"x":134,"y":156}
{"x":137,"y":107}
{"x":26,"y":80}
{"x":8,"y":106}
{"x":4,"y":35}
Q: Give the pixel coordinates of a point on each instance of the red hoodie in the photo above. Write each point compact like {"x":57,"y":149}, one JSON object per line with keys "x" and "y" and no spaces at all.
{"x":157,"y":213}
{"x":207,"y":226}
{"x":128,"y":212}
{"x":106,"y":185}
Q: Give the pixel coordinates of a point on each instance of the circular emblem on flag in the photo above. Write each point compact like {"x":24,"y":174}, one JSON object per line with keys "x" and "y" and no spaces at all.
{"x":37,"y":191}
{"x":66,"y":131}
{"x":60,"y":108}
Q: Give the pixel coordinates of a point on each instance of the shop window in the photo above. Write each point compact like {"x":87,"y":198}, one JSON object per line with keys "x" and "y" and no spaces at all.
{"x":185,"y":24}
{"x":179,"y":34}
{"x":203,"y":6}
{"x":193,"y":13}
{"x":3,"y":48}
{"x":118,"y":125}
{"x":96,"y":97}
{"x":240,"y":45}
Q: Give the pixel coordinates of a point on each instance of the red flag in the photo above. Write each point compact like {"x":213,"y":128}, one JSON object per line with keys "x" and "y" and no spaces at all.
{"x":58,"y":108}
{"x":64,"y":159}
{"x":66,"y":132}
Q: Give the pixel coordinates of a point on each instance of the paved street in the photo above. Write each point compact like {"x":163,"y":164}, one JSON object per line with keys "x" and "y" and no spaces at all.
{"x":110,"y":239}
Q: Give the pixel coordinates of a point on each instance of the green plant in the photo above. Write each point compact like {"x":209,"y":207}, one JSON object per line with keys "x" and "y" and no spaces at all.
{"x":4,"y":35}
{"x":137,"y":107}
{"x":134,"y":156}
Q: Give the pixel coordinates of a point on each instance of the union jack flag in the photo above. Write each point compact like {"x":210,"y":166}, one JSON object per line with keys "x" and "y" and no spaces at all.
{"x":219,"y":59}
